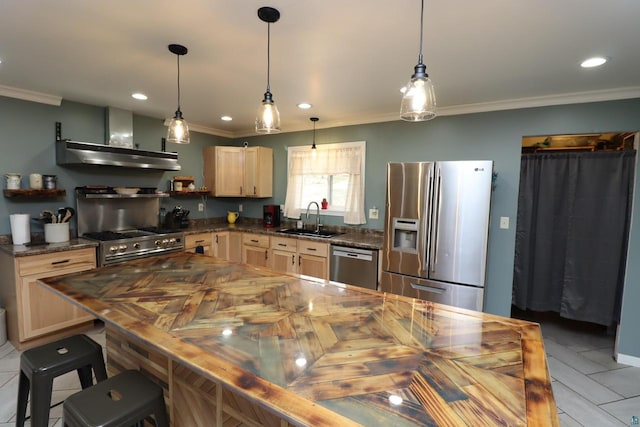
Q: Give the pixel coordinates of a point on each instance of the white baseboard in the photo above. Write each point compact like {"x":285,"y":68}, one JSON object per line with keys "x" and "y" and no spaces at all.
{"x":628,"y":360}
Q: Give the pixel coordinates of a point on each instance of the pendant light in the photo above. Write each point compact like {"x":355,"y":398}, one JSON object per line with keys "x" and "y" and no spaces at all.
{"x":178,"y":132}
{"x":419,"y":98}
{"x":313,"y":146}
{"x":268,"y":117}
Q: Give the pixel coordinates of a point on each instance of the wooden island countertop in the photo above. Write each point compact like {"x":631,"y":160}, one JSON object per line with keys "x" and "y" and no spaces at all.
{"x":233,"y":342}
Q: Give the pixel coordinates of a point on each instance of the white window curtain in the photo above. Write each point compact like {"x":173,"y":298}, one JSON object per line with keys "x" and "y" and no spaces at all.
{"x":330,"y":159}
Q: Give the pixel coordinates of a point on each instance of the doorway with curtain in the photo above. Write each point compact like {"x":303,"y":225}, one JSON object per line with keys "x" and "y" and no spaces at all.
{"x":574,"y":212}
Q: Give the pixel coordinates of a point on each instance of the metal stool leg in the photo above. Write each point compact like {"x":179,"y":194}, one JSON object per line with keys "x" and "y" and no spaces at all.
{"x":23,"y":398}
{"x":40,"y":400}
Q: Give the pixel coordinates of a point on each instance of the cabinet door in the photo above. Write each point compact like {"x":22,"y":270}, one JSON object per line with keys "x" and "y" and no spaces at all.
{"x":44,"y":312}
{"x":283,"y":261}
{"x":254,"y":255}
{"x":258,"y":172}
{"x":229,"y":171}
{"x":221,"y":245}
{"x":311,"y":265}
{"x":235,"y":247}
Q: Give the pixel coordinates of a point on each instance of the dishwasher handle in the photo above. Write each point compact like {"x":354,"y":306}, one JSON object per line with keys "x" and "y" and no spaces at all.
{"x":352,"y":255}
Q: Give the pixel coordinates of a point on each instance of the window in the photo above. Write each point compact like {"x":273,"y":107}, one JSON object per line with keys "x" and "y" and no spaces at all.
{"x":336,"y":174}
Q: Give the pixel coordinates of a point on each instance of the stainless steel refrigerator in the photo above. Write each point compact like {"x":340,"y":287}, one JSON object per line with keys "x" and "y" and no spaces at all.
{"x":436,"y":231}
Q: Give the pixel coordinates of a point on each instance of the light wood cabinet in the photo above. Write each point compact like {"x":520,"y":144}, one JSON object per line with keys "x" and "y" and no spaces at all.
{"x":284,"y":255}
{"x":204,"y":240}
{"x":35,"y":314}
{"x":255,"y":249}
{"x":290,"y":255}
{"x":238,"y":171}
{"x":313,"y":259}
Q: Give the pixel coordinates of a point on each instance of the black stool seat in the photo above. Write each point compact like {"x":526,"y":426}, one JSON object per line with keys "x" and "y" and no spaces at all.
{"x":39,"y":366}
{"x":121,"y":401}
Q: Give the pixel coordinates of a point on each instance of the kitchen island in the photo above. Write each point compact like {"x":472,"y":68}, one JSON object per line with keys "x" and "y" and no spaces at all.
{"x":236,"y":344}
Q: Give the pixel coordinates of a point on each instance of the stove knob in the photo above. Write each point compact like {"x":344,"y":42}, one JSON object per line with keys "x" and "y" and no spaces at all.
{"x":172,"y":241}
{"x":157,"y":243}
{"x":113,"y":249}
{"x":136,"y":245}
{"x":122,"y":248}
{"x":165,"y":242}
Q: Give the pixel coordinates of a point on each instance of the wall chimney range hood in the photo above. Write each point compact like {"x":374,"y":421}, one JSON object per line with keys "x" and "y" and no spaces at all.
{"x":116,"y":152}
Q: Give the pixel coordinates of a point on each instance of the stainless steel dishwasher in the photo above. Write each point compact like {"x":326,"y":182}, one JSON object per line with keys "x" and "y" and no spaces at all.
{"x":354,"y":266}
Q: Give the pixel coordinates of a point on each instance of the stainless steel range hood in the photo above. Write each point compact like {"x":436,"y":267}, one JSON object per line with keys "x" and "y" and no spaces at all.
{"x":118,"y":151}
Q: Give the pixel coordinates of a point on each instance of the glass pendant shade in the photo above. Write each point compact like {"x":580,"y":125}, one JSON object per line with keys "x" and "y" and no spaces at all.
{"x":419,"y":99}
{"x":268,"y":117}
{"x":178,"y":132}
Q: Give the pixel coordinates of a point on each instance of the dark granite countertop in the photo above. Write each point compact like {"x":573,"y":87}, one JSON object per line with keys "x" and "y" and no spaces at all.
{"x":354,"y":237}
{"x":40,"y":247}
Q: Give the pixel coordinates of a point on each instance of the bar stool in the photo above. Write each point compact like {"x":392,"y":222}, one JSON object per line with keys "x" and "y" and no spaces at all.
{"x":39,"y":366}
{"x":121,"y":401}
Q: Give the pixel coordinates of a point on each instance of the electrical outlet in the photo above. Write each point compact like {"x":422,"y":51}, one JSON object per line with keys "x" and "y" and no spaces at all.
{"x":240,"y":207}
{"x":373,"y":213}
{"x":200,"y":207}
{"x":504,"y":222}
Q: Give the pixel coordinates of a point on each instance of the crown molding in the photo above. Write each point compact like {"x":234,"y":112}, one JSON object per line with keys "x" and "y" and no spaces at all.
{"x":29,"y":95}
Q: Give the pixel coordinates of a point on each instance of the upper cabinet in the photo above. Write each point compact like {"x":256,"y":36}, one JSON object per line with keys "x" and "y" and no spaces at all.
{"x":239,"y":171}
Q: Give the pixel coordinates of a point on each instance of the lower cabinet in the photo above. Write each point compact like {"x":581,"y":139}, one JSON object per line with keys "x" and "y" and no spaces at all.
{"x":300,"y":256}
{"x":227,"y":245}
{"x":35,"y":313}
{"x":203,"y":241}
{"x":255,"y":249}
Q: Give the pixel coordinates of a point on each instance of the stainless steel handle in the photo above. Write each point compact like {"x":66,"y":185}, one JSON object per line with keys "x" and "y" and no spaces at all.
{"x":64,"y":261}
{"x":254,"y":241}
{"x":266,"y":254}
{"x":312,"y":249}
{"x":293,"y":260}
{"x":254,"y":190}
{"x":282,"y":244}
{"x":428,"y":288}
{"x":199,"y":241}
{"x":436,"y":221}
{"x":216,"y":238}
{"x":241,"y":189}
{"x":299,"y":260}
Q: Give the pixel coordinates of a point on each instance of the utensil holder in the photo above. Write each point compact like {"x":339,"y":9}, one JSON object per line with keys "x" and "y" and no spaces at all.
{"x":56,"y":232}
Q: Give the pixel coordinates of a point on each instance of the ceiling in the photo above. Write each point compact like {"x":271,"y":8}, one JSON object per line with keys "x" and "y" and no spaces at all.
{"x":347,"y":58}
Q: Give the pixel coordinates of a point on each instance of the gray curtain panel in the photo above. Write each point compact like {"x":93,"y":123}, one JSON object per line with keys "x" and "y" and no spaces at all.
{"x":574,"y":211}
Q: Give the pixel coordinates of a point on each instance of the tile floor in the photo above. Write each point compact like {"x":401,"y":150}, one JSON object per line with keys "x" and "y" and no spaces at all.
{"x":590,"y":388}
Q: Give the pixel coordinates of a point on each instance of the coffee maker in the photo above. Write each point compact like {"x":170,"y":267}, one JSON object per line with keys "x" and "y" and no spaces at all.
{"x":271,"y":216}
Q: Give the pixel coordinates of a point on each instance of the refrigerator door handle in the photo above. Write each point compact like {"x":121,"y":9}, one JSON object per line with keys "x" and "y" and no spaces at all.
{"x":428,"y":288}
{"x":436,"y":222}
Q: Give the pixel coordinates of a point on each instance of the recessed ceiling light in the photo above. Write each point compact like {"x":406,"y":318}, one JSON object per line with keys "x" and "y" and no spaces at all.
{"x":226,"y":118}
{"x":304,"y":105}
{"x":140,"y":96}
{"x":596,"y":61}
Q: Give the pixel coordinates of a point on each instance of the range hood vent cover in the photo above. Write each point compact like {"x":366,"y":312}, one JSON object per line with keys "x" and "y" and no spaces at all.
{"x":114,"y":154}
{"x":87,"y":153}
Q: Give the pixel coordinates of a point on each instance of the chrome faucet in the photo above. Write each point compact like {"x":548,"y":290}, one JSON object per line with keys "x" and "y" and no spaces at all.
{"x":317,"y":215}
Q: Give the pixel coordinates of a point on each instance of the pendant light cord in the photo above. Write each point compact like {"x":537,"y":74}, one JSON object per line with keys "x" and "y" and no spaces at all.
{"x":268,"y":54}
{"x":421,"y":31}
{"x":178,"y":58}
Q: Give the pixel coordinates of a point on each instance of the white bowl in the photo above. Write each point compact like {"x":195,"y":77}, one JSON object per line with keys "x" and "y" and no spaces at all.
{"x":128,"y":191}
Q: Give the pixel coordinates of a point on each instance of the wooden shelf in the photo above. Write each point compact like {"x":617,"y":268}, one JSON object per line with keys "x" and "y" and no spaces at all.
{"x":35,"y":193}
{"x":188,"y":193}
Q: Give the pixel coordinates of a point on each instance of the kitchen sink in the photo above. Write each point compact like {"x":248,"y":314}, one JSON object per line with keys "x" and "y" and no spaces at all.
{"x":309,"y":233}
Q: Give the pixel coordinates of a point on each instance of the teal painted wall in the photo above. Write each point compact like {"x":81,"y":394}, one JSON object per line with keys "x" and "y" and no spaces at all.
{"x":27,"y":138}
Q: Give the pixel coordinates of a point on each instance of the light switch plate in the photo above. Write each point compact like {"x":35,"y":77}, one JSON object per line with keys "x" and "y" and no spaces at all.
{"x":240,"y":207}
{"x":504,"y":222}
{"x":200,"y":207}
{"x":373,"y":213}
